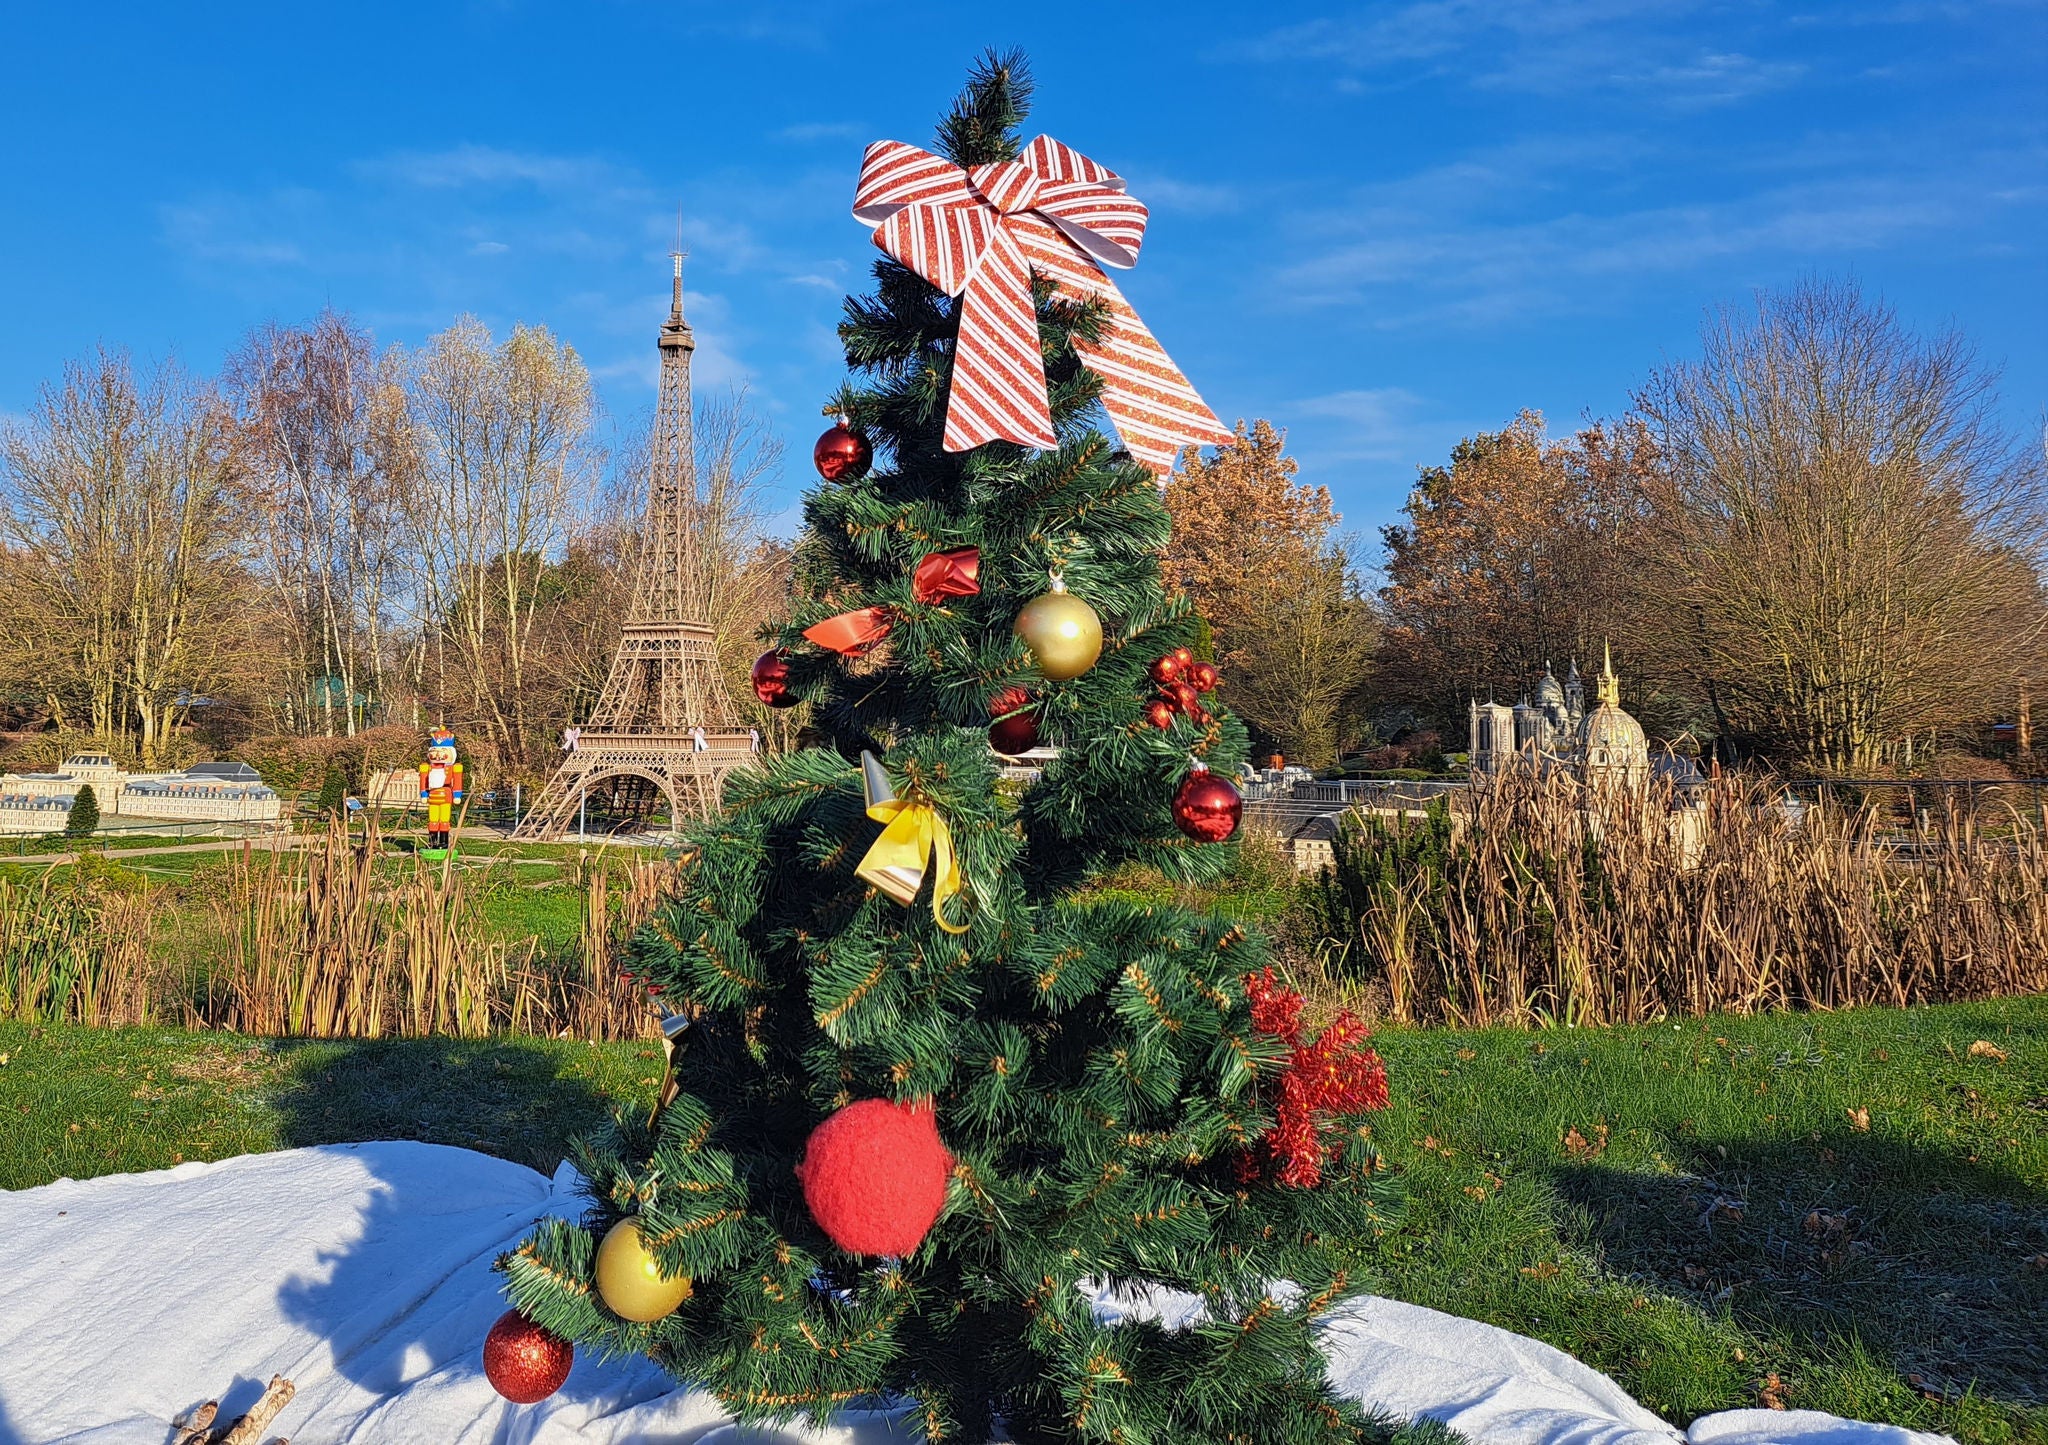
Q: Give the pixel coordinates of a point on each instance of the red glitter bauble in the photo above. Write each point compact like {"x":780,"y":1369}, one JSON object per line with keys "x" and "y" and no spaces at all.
{"x":874,"y":1176}
{"x":1204,"y":676}
{"x":1184,"y":697}
{"x":523,"y":1362}
{"x":1207,"y":807}
{"x":1159,"y":713}
{"x":842,"y":454}
{"x":1182,"y":656}
{"x":1012,"y":735}
{"x":771,"y":679}
{"x":1166,"y":669}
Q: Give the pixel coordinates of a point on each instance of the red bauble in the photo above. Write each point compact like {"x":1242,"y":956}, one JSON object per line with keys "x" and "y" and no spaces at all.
{"x":842,"y":454}
{"x":1204,"y":676}
{"x":1012,"y":735}
{"x":1207,"y":807}
{"x":1166,"y":669}
{"x":771,"y":679}
{"x":1184,"y":697}
{"x":874,"y":1176}
{"x":1182,"y":656}
{"x":1159,"y":713}
{"x":523,"y":1362}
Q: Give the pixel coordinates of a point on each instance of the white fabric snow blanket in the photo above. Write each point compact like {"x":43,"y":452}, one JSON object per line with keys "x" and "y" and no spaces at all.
{"x":363,"y":1274}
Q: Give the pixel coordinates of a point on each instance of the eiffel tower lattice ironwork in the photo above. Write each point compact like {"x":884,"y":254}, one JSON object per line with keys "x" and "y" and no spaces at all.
{"x":664,"y":716}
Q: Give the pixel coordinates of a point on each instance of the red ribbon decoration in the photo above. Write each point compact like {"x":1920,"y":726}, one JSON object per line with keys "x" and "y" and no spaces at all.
{"x":939,"y":575}
{"x":979,"y":235}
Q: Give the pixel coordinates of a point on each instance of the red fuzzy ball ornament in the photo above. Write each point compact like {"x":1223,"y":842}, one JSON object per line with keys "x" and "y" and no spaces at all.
{"x":842,"y":454}
{"x":771,"y":679}
{"x":1012,"y":735}
{"x":874,"y":1176}
{"x":523,"y":1362}
{"x":1207,"y":807}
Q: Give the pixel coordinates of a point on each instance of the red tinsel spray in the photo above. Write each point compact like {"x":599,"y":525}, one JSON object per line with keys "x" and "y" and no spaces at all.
{"x":1338,"y":1073}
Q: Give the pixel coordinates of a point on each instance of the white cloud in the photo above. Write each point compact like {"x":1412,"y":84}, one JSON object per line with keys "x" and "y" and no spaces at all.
{"x":1559,"y":47}
{"x":489,"y":248}
{"x":1190,"y":198}
{"x":817,"y":130}
{"x":488,"y":166}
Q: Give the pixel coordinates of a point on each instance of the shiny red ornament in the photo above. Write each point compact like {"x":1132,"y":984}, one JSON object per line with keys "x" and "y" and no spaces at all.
{"x":940,"y":575}
{"x":1204,"y":676}
{"x":1011,"y":736}
{"x":842,"y":454}
{"x":524,"y":1362}
{"x":1185,"y":658}
{"x":1160,"y":713}
{"x":874,"y":1176}
{"x":1189,"y":702}
{"x":1207,"y":807}
{"x":771,"y":679}
{"x":1165,"y":670}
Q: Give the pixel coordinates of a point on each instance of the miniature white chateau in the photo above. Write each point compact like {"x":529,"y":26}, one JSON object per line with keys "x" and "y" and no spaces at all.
{"x":1603,"y":746}
{"x":204,"y":792}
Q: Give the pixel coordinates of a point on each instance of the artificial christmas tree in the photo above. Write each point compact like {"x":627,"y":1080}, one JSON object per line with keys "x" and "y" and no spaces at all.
{"x":1077,"y":1088}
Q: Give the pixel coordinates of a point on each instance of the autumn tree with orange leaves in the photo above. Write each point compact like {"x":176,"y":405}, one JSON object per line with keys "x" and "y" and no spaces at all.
{"x":1260,"y":555}
{"x":1515,"y":555}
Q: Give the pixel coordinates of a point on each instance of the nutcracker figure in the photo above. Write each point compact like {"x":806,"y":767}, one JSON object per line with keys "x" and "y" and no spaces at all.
{"x":440,"y":790}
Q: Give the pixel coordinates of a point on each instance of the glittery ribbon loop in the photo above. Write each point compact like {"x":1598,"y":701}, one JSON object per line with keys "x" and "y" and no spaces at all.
{"x":980,"y":236}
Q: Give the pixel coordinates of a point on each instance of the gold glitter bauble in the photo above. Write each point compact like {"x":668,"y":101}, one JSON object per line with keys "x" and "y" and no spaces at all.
{"x":630,"y":1282}
{"x":1063,"y":633}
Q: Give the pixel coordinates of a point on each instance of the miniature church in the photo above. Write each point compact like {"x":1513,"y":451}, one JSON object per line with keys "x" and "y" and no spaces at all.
{"x":1601,"y":746}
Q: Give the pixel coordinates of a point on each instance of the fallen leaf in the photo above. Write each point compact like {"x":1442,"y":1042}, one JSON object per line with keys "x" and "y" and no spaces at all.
{"x":1474,"y":1053}
{"x":1727,"y":1208}
{"x":1982,"y":1049}
{"x":1859,"y":1120}
{"x":1819,"y":1222}
{"x":3,"y":1058}
{"x":1545,"y":1270}
{"x":1739,"y":1356}
{"x":2038,"y":1264}
{"x":1881,"y":1055}
{"x":1695,"y":1275}
{"x":1771,"y":1394}
{"x":1827,"y":1156}
{"x":1578,"y":1146}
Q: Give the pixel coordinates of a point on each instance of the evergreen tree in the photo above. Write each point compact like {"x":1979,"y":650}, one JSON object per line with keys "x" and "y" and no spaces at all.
{"x":84,"y":818}
{"x":1111,"y":1078}
{"x":333,"y":792}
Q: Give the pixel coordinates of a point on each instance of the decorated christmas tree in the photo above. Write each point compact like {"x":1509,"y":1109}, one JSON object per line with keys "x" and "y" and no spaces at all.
{"x":931,"y":1097}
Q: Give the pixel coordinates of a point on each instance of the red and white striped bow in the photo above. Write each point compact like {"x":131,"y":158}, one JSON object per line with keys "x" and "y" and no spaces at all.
{"x":978,"y":235}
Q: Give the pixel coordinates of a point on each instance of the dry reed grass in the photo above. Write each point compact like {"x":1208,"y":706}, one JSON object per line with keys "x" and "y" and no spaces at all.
{"x":76,"y":950}
{"x":1540,"y":903}
{"x":332,"y":940}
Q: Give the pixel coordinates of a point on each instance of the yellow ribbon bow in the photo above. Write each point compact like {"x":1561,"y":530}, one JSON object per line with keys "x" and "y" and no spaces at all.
{"x":915,"y":840}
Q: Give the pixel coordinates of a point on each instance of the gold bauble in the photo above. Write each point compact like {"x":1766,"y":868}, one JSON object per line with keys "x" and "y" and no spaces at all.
{"x":1063,"y":633}
{"x":630,"y":1281}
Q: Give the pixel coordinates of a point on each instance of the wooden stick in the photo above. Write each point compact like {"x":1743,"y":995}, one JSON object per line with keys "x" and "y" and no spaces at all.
{"x":249,"y":1429}
{"x":195,"y":1430}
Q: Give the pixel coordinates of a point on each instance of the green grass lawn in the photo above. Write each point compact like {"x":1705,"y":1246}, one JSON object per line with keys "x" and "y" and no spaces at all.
{"x":1846,"y":1212}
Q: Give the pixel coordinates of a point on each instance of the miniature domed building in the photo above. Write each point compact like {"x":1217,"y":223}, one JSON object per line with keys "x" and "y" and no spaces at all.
{"x":1612,"y":747}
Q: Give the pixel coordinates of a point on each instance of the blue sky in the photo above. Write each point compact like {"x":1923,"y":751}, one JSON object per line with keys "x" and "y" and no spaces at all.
{"x":1383,"y":226}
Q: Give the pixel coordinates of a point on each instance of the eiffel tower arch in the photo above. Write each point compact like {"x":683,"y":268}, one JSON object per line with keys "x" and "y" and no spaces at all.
{"x":664,"y":716}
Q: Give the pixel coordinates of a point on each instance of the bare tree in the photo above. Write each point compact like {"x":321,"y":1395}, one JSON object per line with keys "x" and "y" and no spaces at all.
{"x":323,"y":421}
{"x":502,"y":440}
{"x":125,"y":578}
{"x":1845,"y":538}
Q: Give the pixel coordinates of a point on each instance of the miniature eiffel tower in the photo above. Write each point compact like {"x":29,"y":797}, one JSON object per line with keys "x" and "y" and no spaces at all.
{"x":664,"y":717}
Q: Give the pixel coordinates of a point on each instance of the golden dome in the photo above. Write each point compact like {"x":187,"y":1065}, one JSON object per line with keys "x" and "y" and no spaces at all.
{"x":1612,"y":745}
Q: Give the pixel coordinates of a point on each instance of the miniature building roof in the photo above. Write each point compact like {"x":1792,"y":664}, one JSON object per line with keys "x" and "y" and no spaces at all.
{"x":225,"y":772}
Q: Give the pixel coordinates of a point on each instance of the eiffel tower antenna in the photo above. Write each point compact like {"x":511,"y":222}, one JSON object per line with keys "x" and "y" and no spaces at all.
{"x":663,"y":718}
